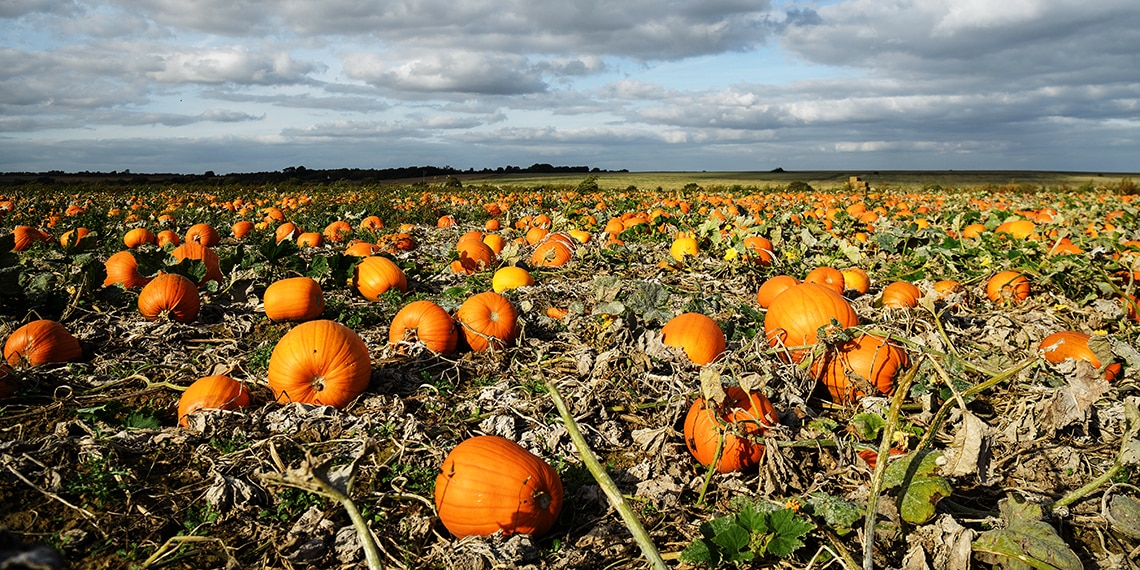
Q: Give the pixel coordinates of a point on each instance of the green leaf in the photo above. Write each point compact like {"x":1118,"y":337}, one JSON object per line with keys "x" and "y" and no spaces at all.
{"x":867,"y":425}
{"x":789,"y":528}
{"x":920,"y":488}
{"x":752,"y":519}
{"x":837,"y":513}
{"x":1026,"y":541}
{"x":733,"y":543}
{"x":697,"y":553}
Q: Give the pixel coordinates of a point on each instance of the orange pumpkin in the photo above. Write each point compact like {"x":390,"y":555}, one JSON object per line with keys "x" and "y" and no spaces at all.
{"x":211,"y":393}
{"x":1061,"y":345}
{"x":122,"y":268}
{"x":25,"y":236}
{"x":205,"y":255}
{"x":241,"y":228}
{"x":490,"y":484}
{"x":371,"y":224}
{"x":774,"y":286}
{"x":1017,"y":229}
{"x":167,"y":237}
{"x":426,"y":322}
{"x":375,"y":275}
{"x":474,"y":256}
{"x":796,"y":315}
{"x":759,"y":249}
{"x":489,"y":321}
{"x":947,"y":287}
{"x":900,"y":294}
{"x":857,"y":280}
{"x":285,"y":231}
{"x":698,"y":335}
{"x":859,"y":366}
{"x":294,"y":299}
{"x":71,"y":238}
{"x":319,"y":362}
{"x":683,"y":247}
{"x":551,"y":253}
{"x":510,"y":277}
{"x":204,"y":234}
{"x":310,"y":239}
{"x":337,"y":231}
{"x":171,"y":296}
{"x":362,"y":249}
{"x":751,"y":413}
{"x":41,"y":342}
{"x":1009,"y":285}
{"x":138,"y":237}
{"x":829,"y":277}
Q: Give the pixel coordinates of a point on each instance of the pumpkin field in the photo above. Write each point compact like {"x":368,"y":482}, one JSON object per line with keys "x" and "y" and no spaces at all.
{"x":603,"y":371}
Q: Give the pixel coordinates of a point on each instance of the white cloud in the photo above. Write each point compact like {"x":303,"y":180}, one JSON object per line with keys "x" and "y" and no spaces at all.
{"x":232,"y":65}
{"x":447,"y":71}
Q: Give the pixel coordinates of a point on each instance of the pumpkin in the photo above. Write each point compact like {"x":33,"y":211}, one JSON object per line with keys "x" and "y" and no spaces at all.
{"x":66,"y":240}
{"x":492,"y":225}
{"x":337,"y":231}
{"x":287,"y":231}
{"x":122,"y":268}
{"x":474,"y":234}
{"x":862,"y":365}
{"x":25,"y":236}
{"x":1009,"y":285}
{"x":796,"y":315}
{"x":241,"y":228}
{"x":205,"y":255}
{"x":445,"y":221}
{"x":1061,"y":345}
{"x":204,"y":234}
{"x":495,"y":242}
{"x":510,"y":277}
{"x":426,"y":322}
{"x":581,"y":236}
{"x":211,"y":393}
{"x":489,"y":321}
{"x":829,"y":277}
{"x":759,"y":249}
{"x":375,"y":275}
{"x":772,"y":287}
{"x":946,"y":287}
{"x":319,"y":362}
{"x":855,"y":279}
{"x":474,"y":256}
{"x":698,"y":335}
{"x":170,"y":296}
{"x":41,"y":342}
{"x":683,"y":247}
{"x":535,"y":235}
{"x":167,"y":236}
{"x":310,"y":239}
{"x":747,"y":416}
{"x":294,"y":299}
{"x":1018,"y":229}
{"x":362,"y":249}
{"x":489,"y":484}
{"x":371,"y":224}
{"x":900,"y":294}
{"x":973,"y":231}
{"x":138,"y":237}
{"x":551,"y":253}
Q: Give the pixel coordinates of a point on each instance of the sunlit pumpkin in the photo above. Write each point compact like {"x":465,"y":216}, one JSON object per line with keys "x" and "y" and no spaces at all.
{"x":489,"y":321}
{"x":72,"y":238}
{"x":294,"y":299}
{"x":474,"y":256}
{"x":1062,"y":345}
{"x":204,"y":234}
{"x":510,"y":277}
{"x":774,"y":286}
{"x":796,"y":315}
{"x":426,"y":322}
{"x":241,"y":229}
{"x":319,"y":362}
{"x":551,"y":253}
{"x":200,"y":252}
{"x":170,"y":296}
{"x":25,"y":236}
{"x":742,"y":420}
{"x":900,"y":294}
{"x":375,"y":275}
{"x":683,"y":248}
{"x":759,"y":249}
{"x":829,"y":277}
{"x":856,"y":280}
{"x":698,"y":335}
{"x":41,"y":342}
{"x":1007,"y":285}
{"x":489,"y":484}
{"x":211,"y":393}
{"x":122,"y":268}
{"x":865,"y":365}
{"x":138,"y":237}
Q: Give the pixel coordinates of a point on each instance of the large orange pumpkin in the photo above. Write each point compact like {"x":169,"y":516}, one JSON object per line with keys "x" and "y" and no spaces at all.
{"x":750,"y":414}
{"x":375,"y":275}
{"x":474,"y":256}
{"x":1009,"y":285}
{"x":698,"y":335}
{"x":796,"y":315}
{"x":191,"y":250}
{"x":41,"y":342}
{"x":337,"y":231}
{"x":551,"y":253}
{"x":865,"y":363}
{"x":25,"y":236}
{"x":489,"y":321}
{"x":1061,"y":345}
{"x":241,"y":228}
{"x":489,"y":484}
{"x":122,"y":268}
{"x":319,"y":362}
{"x":774,"y":286}
{"x":294,"y":299}
{"x":171,"y":296}
{"x":426,"y":322}
{"x":211,"y":393}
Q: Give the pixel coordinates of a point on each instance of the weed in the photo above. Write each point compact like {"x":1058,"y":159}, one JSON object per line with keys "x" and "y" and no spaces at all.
{"x":99,"y":483}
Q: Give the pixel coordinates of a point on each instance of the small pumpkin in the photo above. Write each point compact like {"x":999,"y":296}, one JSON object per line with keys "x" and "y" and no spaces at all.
{"x":310,"y":239}
{"x":337,"y":231}
{"x":287,"y":231}
{"x":294,"y":299}
{"x":474,"y":256}
{"x":900,"y":294}
{"x":1062,"y":345}
{"x":489,"y":484}
{"x":319,"y":362}
{"x":683,"y":247}
{"x":445,"y":221}
{"x":211,"y":393}
{"x":772,"y":287}
{"x":1007,"y":285}
{"x":362,"y":249}
{"x":551,"y":253}
{"x":241,"y":229}
{"x":944,"y":288}
{"x":426,"y":322}
{"x":698,"y":335}
{"x":489,"y":321}
{"x":796,"y":315}
{"x":123,"y":268}
{"x":71,"y":238}
{"x":758,"y":249}
{"x":750,"y":414}
{"x":829,"y":277}
{"x":863,"y":365}
{"x":167,"y":237}
{"x":510,"y":277}
{"x":138,"y":237}
{"x":170,"y":296}
{"x":857,"y":280}
{"x":41,"y":342}
{"x":375,"y":275}
{"x":203,"y":234}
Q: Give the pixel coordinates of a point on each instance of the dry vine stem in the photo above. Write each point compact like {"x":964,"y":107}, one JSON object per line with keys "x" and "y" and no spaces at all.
{"x":648,"y":549}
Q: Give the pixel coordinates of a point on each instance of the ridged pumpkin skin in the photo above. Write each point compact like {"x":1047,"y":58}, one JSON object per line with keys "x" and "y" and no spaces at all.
{"x":138,"y":237}
{"x":1007,"y":285}
{"x":1062,"y":345}
{"x":773,"y":287}
{"x":795,"y":316}
{"x":551,"y":253}
{"x":206,"y":255}
{"x":428,"y":323}
{"x":698,"y":335}
{"x":241,"y":229}
{"x":488,"y":320}
{"x":294,"y":299}
{"x":376,"y":275}
{"x":25,"y":236}
{"x":319,"y":362}
{"x":474,"y":256}
{"x":703,"y":429}
{"x":203,"y":234}
{"x":211,"y":393}
{"x":829,"y":277}
{"x":900,"y":294}
{"x":867,"y":361}
{"x":122,"y":268}
{"x":171,"y":296}
{"x":758,"y":249}
{"x":41,"y":342}
{"x":511,"y":277}
{"x":857,"y":280}
{"x":489,"y":484}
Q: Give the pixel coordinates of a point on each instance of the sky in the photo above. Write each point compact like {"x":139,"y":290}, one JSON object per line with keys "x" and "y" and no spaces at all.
{"x":192,"y":86}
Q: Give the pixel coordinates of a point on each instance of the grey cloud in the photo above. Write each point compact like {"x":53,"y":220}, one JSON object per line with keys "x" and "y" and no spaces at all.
{"x":18,"y":8}
{"x":458,"y":72}
{"x":235,"y":64}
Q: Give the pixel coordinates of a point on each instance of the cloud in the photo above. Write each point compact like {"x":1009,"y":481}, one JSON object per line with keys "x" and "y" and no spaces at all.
{"x":446,"y":71}
{"x":235,"y":64}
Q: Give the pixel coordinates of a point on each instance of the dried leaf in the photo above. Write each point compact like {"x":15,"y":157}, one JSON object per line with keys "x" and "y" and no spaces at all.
{"x":1026,"y":541}
{"x":965,"y":455}
{"x":711,"y":387}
